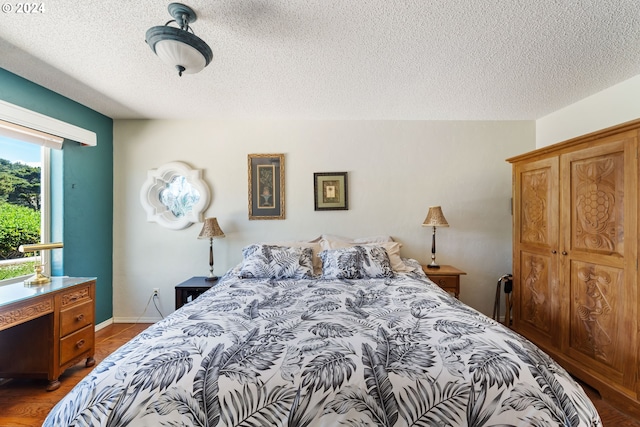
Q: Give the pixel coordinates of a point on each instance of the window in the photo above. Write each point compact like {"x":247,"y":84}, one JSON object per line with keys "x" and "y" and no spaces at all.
{"x":23,"y":129}
{"x":23,"y":205}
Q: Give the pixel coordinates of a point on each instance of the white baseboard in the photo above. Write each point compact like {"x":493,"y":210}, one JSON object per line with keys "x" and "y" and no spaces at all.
{"x":104,"y":324}
{"x":113,"y":320}
{"x":136,"y":319}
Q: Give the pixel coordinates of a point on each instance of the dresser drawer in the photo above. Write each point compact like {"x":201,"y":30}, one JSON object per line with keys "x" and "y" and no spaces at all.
{"x":75,"y":295}
{"x":76,"y":344}
{"x":76,"y":317}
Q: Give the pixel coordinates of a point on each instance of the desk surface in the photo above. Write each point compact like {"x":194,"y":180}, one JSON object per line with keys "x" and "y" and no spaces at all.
{"x":16,"y":292}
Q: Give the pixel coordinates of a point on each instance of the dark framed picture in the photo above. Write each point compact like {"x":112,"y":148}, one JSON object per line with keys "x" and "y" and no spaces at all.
{"x":330,"y":191}
{"x":266,"y":186}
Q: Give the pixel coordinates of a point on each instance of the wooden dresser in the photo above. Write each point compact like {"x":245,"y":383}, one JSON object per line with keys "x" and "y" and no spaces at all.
{"x":575,"y":258}
{"x":46,"y":329}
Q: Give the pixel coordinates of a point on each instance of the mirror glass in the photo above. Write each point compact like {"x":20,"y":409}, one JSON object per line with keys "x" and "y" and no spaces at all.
{"x":179,"y":196}
{"x":174,"y":195}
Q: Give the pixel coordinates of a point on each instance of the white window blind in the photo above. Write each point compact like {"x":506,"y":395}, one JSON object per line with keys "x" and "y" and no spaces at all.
{"x":37,"y":122}
{"x":21,"y":133}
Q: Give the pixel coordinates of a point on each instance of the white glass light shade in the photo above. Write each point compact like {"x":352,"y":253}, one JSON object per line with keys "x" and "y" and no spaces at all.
{"x":176,"y":54}
{"x":182,"y":50}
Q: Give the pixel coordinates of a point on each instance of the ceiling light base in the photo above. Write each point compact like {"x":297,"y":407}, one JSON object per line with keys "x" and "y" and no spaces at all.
{"x":182,"y":12}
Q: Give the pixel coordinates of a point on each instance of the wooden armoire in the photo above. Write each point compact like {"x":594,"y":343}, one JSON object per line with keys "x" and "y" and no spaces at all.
{"x":575,"y":258}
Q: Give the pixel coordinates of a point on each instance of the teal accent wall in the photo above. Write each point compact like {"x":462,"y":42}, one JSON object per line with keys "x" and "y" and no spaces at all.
{"x":82,"y":188}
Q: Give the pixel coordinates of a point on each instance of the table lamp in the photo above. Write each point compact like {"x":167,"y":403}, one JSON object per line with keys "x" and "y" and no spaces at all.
{"x":39,"y":278}
{"x":211,"y":230}
{"x":435,"y":218}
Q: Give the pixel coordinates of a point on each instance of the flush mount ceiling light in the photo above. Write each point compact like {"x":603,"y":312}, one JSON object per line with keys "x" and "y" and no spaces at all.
{"x":179,"y":47}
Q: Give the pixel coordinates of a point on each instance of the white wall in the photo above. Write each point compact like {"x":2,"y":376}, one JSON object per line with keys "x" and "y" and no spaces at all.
{"x":612,"y":106}
{"x":397,"y":169}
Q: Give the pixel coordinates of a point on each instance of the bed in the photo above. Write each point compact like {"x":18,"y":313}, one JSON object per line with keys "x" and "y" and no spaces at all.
{"x":326,"y":335}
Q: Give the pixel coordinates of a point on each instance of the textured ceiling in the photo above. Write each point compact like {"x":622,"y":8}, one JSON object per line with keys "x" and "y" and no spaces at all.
{"x":332,"y":59}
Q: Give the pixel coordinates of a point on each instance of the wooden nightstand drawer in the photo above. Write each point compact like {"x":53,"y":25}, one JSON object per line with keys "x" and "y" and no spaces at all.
{"x":76,"y":344}
{"x":76,"y":317}
{"x":447,"y":283}
{"x":447,"y":277}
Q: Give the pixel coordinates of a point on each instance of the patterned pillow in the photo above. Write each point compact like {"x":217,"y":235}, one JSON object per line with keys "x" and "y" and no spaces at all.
{"x":341,"y":264}
{"x":276,"y":262}
{"x":315,"y":247}
{"x":356,"y":262}
{"x":392,"y":248}
{"x":375,"y":262}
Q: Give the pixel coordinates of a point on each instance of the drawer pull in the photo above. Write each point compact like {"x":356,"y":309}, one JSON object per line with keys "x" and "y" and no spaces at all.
{"x":80,"y":317}
{"x":80,"y":344}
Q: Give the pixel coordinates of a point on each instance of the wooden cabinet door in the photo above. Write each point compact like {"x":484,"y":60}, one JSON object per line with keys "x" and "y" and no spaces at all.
{"x":537,"y":294}
{"x":599,"y":255}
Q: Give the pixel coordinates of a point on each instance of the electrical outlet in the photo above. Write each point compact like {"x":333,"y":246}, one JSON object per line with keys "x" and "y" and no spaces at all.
{"x":155,"y":291}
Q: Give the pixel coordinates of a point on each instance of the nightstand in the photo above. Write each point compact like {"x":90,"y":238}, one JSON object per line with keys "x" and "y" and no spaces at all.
{"x":190,"y":289}
{"x":447,"y":277}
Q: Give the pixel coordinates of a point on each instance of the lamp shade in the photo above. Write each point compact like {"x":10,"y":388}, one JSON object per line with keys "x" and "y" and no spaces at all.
{"x":211,"y":229}
{"x":435,"y":218}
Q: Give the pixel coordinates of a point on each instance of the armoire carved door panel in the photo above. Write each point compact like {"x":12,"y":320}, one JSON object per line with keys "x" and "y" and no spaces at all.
{"x":536,"y":302}
{"x":535,"y":215}
{"x":597,"y":196}
{"x":538,"y":184}
{"x":596,"y":317}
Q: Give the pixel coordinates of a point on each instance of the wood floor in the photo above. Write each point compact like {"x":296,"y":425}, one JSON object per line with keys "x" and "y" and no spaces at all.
{"x":26,"y":403}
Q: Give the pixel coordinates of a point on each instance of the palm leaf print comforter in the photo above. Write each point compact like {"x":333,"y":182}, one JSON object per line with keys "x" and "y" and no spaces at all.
{"x":313,"y":352}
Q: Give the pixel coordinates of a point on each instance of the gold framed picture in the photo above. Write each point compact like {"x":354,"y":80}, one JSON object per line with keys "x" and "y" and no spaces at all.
{"x":330,"y":191}
{"x":266,"y":186}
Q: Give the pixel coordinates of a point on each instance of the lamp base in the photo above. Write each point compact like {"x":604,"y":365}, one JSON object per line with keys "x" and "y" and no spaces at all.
{"x":37,"y":279}
{"x":211,"y":279}
{"x":433,"y":262}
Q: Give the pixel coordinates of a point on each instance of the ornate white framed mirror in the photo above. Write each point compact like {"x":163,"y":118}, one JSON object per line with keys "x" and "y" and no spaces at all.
{"x":174,"y":195}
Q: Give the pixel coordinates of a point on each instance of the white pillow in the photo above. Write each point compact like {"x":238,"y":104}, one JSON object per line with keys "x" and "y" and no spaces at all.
{"x":372,"y":239}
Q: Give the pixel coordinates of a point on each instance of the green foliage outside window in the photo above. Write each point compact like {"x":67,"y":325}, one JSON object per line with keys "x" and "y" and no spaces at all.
{"x":19,"y":215}
{"x":16,"y":270}
{"x":19,"y":225}
{"x":20,"y":184}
